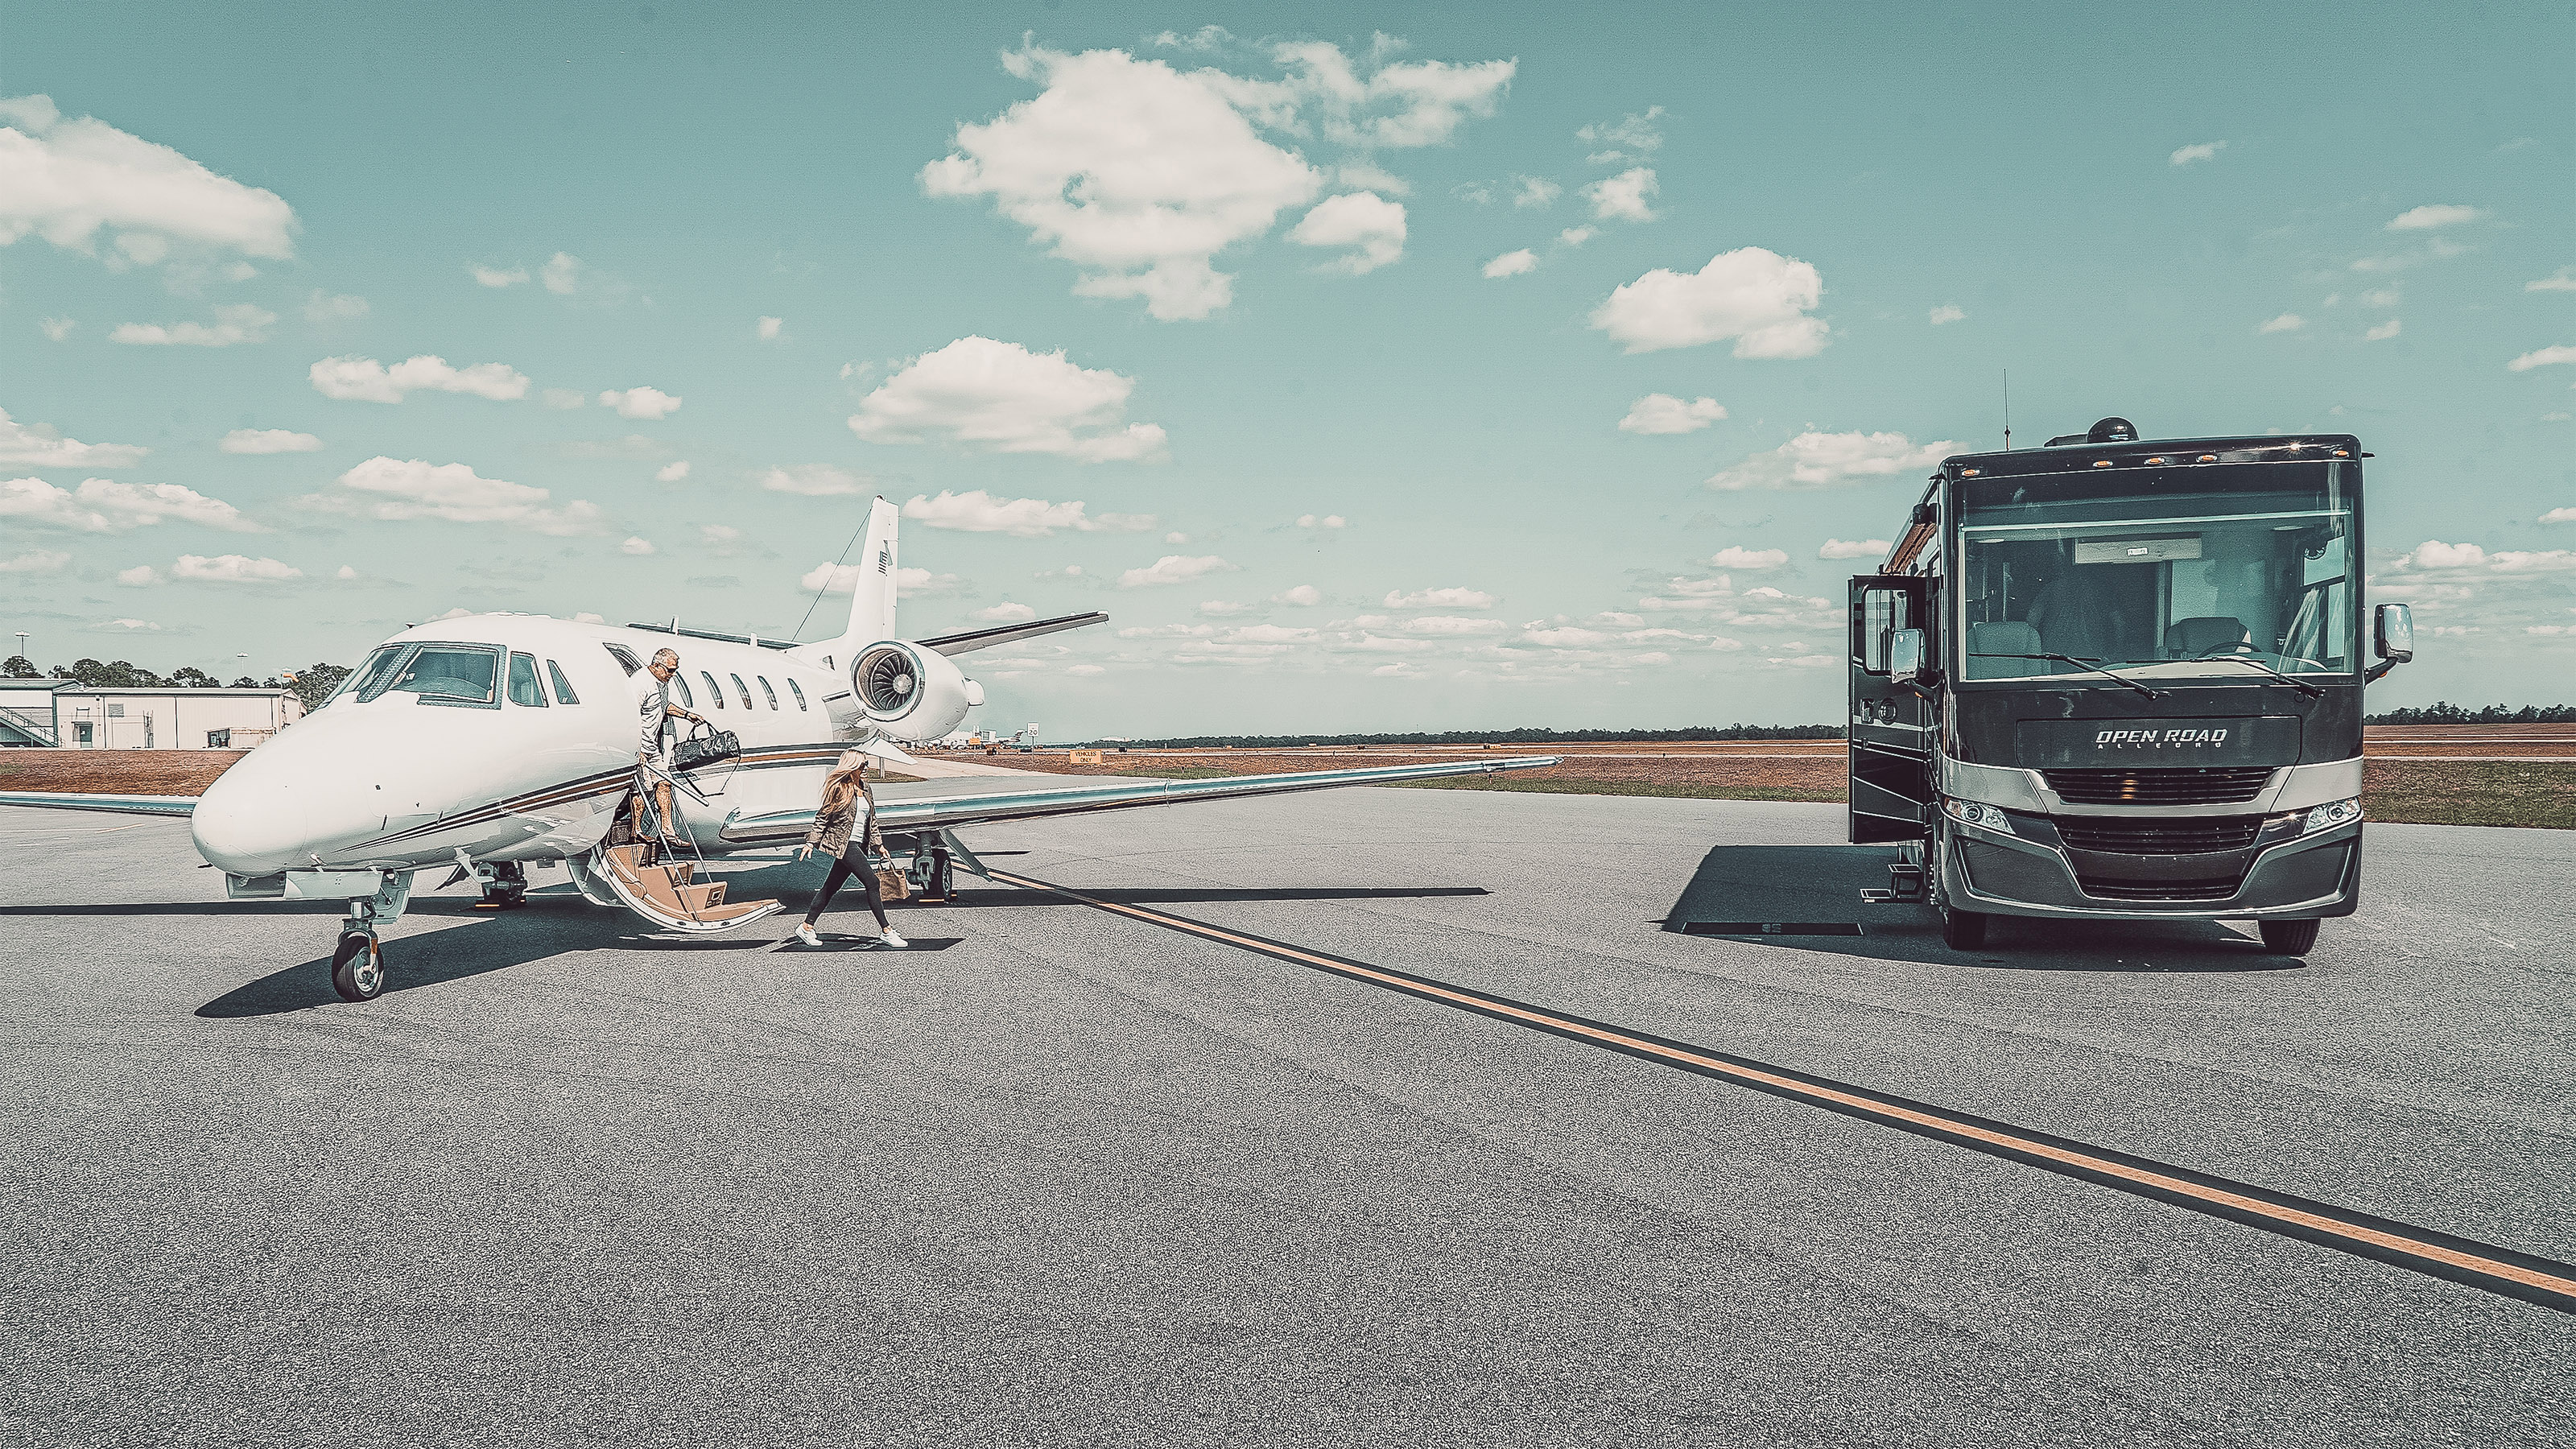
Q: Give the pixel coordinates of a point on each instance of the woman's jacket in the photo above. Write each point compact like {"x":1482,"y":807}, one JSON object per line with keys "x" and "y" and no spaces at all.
{"x":830,"y":832}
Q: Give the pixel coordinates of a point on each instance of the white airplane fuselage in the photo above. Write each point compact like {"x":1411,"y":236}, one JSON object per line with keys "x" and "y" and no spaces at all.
{"x":405,"y":780}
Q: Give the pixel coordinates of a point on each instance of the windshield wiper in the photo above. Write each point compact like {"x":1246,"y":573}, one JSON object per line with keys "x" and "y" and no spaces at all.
{"x":2301,"y":685}
{"x":2093,"y":664}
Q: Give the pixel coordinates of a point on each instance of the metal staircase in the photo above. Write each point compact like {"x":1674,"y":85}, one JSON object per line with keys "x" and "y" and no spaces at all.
{"x":669,"y":894}
{"x":34,"y":730}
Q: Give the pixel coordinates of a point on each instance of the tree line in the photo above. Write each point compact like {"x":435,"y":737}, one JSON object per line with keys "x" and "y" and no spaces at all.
{"x":2446,"y":713}
{"x":1501,"y":737}
{"x":312,"y":684}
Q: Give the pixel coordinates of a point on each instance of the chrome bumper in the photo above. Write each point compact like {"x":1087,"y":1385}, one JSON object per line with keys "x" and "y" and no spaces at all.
{"x":2005,"y":875}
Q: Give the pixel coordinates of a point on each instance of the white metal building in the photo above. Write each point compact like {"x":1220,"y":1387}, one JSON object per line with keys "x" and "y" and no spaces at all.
{"x":161,"y":719}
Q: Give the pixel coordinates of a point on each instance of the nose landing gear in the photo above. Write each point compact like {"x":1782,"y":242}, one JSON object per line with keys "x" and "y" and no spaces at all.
{"x":358,"y":961}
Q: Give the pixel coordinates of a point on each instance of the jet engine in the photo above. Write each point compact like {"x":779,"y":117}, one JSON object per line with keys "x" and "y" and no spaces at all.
{"x":911,"y":693}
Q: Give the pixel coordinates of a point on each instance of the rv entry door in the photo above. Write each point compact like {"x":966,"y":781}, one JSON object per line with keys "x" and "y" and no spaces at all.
{"x":1891,"y":722}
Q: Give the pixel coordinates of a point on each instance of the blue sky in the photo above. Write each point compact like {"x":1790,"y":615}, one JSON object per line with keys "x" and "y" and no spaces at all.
{"x":1153,"y":305}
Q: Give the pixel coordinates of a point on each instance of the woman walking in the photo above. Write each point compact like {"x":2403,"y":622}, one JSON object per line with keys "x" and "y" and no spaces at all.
{"x":845,"y":827}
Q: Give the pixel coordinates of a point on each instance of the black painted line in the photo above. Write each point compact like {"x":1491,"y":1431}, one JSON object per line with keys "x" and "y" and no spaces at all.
{"x":2507,"y":1272}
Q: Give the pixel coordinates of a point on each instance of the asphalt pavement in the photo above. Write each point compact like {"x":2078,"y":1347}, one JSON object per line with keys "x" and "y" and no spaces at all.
{"x":1059,"y":1176}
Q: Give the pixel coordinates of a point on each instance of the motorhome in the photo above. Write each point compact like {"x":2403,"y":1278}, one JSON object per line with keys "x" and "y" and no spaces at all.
{"x":2121,"y":680}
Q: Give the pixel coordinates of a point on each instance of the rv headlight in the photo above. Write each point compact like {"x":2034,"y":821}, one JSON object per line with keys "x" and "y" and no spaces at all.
{"x":2327,"y":817}
{"x":1969,"y":812}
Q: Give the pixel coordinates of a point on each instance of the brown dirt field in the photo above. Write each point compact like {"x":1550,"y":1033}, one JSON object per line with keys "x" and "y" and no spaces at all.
{"x":115,"y":772}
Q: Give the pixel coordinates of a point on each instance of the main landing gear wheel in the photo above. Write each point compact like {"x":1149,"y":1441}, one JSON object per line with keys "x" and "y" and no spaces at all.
{"x":1963,"y":930}
{"x":358,"y":967}
{"x":2290,"y":938}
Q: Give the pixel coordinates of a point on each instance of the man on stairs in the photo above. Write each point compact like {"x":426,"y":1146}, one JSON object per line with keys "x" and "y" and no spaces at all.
{"x":655,"y":711}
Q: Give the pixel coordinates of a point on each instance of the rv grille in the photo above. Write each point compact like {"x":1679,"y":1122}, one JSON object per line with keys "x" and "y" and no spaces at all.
{"x":2159,"y":834}
{"x":2225,"y":786}
{"x":2160,"y":890}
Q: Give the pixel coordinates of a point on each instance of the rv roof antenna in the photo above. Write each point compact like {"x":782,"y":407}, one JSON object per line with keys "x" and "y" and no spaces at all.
{"x":2007,"y":409}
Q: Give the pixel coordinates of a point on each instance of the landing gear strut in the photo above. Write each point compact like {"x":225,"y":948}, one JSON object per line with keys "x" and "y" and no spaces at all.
{"x":507,"y":887}
{"x":358,"y":962}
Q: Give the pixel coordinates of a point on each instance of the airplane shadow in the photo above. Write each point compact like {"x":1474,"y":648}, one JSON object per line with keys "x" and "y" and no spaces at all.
{"x":1808,"y":898}
{"x":1012,"y":898}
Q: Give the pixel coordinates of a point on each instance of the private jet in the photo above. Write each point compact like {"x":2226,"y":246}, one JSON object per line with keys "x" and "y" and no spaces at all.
{"x":493,"y":743}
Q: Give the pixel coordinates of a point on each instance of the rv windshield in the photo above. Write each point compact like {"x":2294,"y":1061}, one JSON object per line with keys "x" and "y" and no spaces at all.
{"x":2160,"y":572}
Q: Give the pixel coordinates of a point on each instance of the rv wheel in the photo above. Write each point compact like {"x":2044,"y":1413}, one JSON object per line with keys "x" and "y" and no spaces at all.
{"x":1963,"y":930}
{"x":358,"y":967}
{"x":2290,"y":938}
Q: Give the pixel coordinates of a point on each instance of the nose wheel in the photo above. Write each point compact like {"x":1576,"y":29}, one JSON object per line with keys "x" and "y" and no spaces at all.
{"x":358,"y":966}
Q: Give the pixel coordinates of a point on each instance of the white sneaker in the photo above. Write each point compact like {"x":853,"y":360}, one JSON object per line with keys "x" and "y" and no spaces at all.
{"x":890,"y":939}
{"x":805,"y":933}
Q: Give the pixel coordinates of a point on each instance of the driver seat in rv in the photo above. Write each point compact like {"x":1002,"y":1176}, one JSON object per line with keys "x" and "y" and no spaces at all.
{"x":2004,"y":636}
{"x":2192,"y":638}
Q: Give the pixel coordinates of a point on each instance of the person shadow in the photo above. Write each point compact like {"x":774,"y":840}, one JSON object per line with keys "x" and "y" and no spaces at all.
{"x":1807,"y":898}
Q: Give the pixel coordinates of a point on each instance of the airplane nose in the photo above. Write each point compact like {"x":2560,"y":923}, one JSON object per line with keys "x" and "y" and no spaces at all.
{"x":288,"y":801}
{"x":244,"y":827}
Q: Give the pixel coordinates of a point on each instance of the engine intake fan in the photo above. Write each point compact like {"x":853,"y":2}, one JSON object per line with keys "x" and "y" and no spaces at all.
{"x":911,"y":693}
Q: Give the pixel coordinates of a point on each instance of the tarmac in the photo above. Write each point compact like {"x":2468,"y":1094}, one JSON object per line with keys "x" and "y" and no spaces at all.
{"x":1059,"y":1175}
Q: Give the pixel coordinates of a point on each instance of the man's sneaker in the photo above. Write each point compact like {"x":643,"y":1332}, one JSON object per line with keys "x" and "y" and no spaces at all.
{"x":805,"y":933}
{"x":888,"y":938}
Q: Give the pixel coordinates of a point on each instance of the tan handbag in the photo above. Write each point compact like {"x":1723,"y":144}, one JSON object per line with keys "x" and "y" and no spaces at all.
{"x":894,"y":885}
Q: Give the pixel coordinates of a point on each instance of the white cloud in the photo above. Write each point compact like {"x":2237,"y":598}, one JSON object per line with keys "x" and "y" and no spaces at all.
{"x":1135,"y":173}
{"x":40,"y":561}
{"x":232,"y":568}
{"x":1441,"y":599}
{"x":1822,"y":460}
{"x":1564,"y":637}
{"x":1946,"y":314}
{"x":1661,"y":413}
{"x":363,"y":379}
{"x":58,"y":328}
{"x":1329,"y":520}
{"x":1757,"y":297}
{"x":2384,"y":331}
{"x":141,"y":576}
{"x":2468,"y":559}
{"x":1204,"y":39}
{"x":2559,"y":515}
{"x":1735,"y":556}
{"x":498,"y":277}
{"x":562,"y":275}
{"x":1452,"y":624}
{"x":1635,"y":135}
{"x":1170,"y":538}
{"x":1367,"y":176}
{"x":815,"y":480}
{"x":1840,"y":548}
{"x":2382,"y":297}
{"x":33,"y":445}
{"x":2563,"y":280}
{"x":771,"y":329}
{"x":67,"y":180}
{"x":909,"y":583}
{"x":1575,"y":236}
{"x":1172,"y":568}
{"x":1221,"y":609}
{"x":637,"y":547}
{"x":1624,"y":197}
{"x":233,"y":325}
{"x":1512,"y":264}
{"x":2428,"y":218}
{"x":1420,"y":103}
{"x":2286,"y":322}
{"x":103,"y":505}
{"x":2205,"y":151}
{"x":1304,"y":596}
{"x":980,"y":512}
{"x":1081,"y":669}
{"x":1005,"y":612}
{"x":1370,"y":225}
{"x":1001,"y":397}
{"x":671,"y":472}
{"x":588,"y":618}
{"x":398,"y":490}
{"x":649,"y":403}
{"x":1534,"y":191}
{"x":268,"y":440}
{"x":323,"y":307}
{"x":2545,"y":357}
{"x":348,"y":572}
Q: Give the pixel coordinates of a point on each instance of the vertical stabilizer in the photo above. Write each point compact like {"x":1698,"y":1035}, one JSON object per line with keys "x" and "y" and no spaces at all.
{"x":872,"y":601}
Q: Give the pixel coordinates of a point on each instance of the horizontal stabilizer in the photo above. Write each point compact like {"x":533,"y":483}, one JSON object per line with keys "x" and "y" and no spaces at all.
{"x":175,"y":805}
{"x":1009,"y":633}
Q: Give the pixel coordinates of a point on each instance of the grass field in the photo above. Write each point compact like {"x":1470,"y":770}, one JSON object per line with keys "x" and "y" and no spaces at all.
{"x":2540,"y":795}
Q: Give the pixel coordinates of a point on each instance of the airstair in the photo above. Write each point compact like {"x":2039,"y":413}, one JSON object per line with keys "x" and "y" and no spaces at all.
{"x":668,"y":892}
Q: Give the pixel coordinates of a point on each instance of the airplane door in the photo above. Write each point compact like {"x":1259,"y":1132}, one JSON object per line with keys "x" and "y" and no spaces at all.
{"x":1891,"y":726}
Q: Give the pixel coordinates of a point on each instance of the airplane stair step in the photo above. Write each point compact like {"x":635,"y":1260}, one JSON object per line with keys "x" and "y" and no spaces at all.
{"x":667,"y":895}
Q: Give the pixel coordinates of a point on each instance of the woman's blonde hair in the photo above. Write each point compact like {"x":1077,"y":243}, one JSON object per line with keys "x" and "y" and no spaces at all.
{"x":843,"y":786}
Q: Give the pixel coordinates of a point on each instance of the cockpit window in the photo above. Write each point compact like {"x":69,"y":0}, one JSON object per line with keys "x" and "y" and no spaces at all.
{"x":625,"y":658}
{"x":524,"y":688}
{"x":563,"y":686}
{"x":370,"y":678}
{"x":745,"y":690}
{"x":456,"y":674}
{"x":713,"y":688}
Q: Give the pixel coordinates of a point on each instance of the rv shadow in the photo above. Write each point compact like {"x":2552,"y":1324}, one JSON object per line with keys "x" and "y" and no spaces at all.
{"x":1807,"y":898}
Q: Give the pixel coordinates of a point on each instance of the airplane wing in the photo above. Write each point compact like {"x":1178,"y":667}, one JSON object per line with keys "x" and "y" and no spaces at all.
{"x":1079,"y":796}
{"x":1008,"y":633}
{"x":173,"y":805}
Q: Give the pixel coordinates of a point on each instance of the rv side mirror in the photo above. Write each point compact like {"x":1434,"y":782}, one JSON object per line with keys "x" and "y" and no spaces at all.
{"x":1904,"y":654}
{"x":2393,"y":632}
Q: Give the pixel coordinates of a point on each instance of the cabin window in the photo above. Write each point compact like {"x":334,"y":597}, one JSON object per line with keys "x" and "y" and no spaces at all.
{"x":745,"y":689}
{"x":625,"y":660}
{"x":681,"y":682}
{"x":796,"y":690}
{"x":770,"y":693}
{"x":715,"y":690}
{"x":524,"y":688}
{"x":563,"y":686}
{"x":452,"y":674}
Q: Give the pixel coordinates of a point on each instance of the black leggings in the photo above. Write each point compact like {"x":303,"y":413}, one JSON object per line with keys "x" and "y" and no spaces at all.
{"x":853,"y":862}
